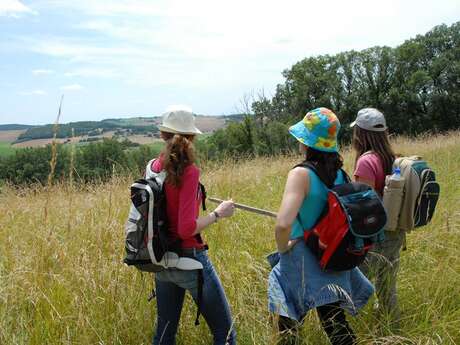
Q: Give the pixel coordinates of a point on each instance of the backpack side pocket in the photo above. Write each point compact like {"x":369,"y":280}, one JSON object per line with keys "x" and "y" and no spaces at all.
{"x":427,"y":201}
{"x":392,"y":200}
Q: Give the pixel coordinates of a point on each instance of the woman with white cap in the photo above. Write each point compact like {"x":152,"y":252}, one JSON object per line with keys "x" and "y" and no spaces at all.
{"x":374,"y":160}
{"x":297,"y":283}
{"x":183,"y":199}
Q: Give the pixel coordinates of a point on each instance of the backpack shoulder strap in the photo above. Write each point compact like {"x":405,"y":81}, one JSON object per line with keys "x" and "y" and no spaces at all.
{"x":150,"y":174}
{"x":307,"y":165}
{"x":202,"y":190}
{"x":312,"y":167}
{"x":346,"y":177}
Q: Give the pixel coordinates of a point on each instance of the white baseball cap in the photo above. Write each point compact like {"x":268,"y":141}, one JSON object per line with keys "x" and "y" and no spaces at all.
{"x":180,"y":122}
{"x":370,"y":119}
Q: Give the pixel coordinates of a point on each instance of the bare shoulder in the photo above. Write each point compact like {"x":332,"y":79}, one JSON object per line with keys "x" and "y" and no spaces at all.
{"x":299,"y":176}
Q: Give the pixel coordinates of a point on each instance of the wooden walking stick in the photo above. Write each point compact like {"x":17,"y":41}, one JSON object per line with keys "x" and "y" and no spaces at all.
{"x":247,"y":208}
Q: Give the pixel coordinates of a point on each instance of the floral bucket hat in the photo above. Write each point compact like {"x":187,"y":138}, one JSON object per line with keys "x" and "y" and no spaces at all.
{"x":318,"y":129}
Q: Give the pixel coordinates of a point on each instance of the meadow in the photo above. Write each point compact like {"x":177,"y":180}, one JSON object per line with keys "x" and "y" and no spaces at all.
{"x":62,"y":280}
{"x":6,"y":149}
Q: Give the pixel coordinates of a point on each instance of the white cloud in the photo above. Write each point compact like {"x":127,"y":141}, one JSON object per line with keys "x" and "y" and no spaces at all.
{"x":33,"y":93}
{"x":92,"y":72}
{"x":72,"y":87}
{"x":239,"y":43}
{"x":42,"y":71}
{"x":14,"y":8}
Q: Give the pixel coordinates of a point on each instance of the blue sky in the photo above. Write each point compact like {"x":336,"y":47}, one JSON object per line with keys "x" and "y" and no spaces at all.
{"x":120,"y":58}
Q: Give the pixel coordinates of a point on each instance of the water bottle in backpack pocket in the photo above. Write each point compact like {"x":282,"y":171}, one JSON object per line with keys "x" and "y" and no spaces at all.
{"x":392,"y":198}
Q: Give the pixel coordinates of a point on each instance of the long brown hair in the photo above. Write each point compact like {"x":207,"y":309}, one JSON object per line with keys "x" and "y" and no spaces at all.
{"x":377,"y":142}
{"x":326,"y":163}
{"x":178,"y":154}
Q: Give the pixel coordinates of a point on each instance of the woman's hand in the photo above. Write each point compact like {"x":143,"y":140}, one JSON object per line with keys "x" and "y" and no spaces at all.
{"x":225,"y":208}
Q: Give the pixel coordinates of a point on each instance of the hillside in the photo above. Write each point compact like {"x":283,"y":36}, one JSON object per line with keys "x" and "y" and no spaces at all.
{"x":14,"y":127}
{"x":63,"y":281}
{"x":141,"y":130}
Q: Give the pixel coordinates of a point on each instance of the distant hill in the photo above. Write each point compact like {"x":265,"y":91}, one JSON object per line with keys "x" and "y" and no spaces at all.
{"x":14,"y":127}
{"x":89,"y":128}
{"x":112,"y":127}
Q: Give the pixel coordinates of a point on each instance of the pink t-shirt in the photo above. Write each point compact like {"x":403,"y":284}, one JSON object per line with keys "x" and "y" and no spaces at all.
{"x":183,"y":206}
{"x":369,"y":167}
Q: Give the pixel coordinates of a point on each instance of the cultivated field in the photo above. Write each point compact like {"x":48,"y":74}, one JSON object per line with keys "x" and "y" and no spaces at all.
{"x":207,"y":124}
{"x":11,"y":135}
{"x":62,"y":280}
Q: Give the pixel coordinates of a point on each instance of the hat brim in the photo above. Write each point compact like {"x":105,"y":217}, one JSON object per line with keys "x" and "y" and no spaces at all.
{"x":300,"y":132}
{"x":305,"y":137}
{"x":174,"y":131}
{"x":371,"y":129}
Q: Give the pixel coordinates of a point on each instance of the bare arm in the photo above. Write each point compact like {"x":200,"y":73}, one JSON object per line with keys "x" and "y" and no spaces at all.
{"x":225,"y":209}
{"x":297,"y":187}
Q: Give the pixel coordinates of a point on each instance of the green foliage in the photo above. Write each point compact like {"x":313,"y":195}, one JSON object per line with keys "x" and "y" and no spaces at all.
{"x":93,"y":162}
{"x":247,"y":138}
{"x":416,"y":85}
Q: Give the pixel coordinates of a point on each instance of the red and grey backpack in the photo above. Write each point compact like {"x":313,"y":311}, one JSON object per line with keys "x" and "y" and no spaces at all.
{"x":148,"y":244}
{"x":350,"y":224}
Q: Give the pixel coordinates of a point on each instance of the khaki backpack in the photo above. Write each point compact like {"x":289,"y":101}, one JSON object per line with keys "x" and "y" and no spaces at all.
{"x":411,"y":201}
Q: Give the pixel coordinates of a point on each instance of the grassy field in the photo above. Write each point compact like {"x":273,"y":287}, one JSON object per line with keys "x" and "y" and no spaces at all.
{"x":62,"y":280}
{"x":6,"y":149}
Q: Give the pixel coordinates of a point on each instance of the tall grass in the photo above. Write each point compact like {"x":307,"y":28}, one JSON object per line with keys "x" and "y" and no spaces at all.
{"x":63,"y":281}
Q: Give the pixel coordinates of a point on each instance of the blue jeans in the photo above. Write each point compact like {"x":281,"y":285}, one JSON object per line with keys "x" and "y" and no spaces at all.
{"x":171,"y":285}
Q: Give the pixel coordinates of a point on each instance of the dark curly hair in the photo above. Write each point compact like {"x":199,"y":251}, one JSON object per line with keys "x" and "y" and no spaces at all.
{"x":326,"y":163}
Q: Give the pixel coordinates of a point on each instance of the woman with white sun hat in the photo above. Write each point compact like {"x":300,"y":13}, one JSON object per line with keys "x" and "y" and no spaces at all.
{"x":184,"y":197}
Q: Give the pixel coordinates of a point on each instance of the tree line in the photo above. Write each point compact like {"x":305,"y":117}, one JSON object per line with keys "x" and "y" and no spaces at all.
{"x":87,"y":163}
{"x":416,"y":85}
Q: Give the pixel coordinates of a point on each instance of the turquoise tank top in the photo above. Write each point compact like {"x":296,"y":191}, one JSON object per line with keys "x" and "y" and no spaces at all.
{"x":313,"y":204}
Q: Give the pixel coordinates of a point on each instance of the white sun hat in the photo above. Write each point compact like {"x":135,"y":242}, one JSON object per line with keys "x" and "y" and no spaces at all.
{"x":370,"y":119}
{"x":180,"y":122}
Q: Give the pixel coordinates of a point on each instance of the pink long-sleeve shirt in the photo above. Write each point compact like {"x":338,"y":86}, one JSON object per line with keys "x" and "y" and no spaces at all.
{"x":183,"y":206}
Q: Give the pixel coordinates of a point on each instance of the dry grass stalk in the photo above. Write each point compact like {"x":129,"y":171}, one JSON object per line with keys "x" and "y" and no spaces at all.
{"x":53,"y":158}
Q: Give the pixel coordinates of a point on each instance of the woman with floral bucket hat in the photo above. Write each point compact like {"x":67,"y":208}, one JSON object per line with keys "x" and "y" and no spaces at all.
{"x":184,"y":196}
{"x":297,"y":283}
